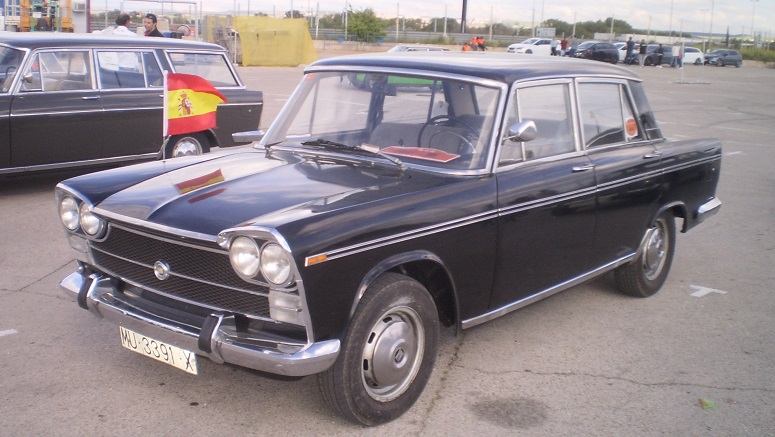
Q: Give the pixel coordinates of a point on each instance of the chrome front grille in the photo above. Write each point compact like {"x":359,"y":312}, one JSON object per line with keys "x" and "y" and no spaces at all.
{"x":198,"y":274}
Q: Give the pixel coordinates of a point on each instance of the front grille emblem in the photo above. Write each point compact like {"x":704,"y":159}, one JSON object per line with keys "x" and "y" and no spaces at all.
{"x":161,"y":269}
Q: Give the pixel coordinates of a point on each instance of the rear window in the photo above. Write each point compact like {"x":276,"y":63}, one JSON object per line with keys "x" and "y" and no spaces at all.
{"x":212,"y":66}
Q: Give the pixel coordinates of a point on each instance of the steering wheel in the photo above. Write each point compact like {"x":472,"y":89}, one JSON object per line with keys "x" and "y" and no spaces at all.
{"x":448,"y":120}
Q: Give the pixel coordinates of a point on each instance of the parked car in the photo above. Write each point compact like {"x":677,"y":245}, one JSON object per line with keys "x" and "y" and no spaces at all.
{"x":652,"y":55}
{"x":417,"y":48}
{"x":724,"y":57}
{"x":693,"y":55}
{"x":538,"y":46}
{"x":598,"y":51}
{"x":70,"y":100}
{"x":622,"y":48}
{"x":363,"y":221}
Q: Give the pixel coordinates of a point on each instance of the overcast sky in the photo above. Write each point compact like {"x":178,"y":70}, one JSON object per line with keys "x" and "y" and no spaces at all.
{"x":687,"y":15}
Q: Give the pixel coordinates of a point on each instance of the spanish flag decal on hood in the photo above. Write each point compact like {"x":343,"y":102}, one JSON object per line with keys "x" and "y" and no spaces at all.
{"x":190,"y":104}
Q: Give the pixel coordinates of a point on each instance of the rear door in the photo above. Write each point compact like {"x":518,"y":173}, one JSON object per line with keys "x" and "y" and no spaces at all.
{"x":55,"y":109}
{"x":132,"y":92}
{"x":627,"y":167}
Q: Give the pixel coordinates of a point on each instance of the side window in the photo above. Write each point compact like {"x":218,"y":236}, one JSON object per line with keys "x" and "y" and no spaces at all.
{"x":58,"y":71}
{"x":605,"y":115}
{"x":128,"y":69}
{"x":548,"y":106}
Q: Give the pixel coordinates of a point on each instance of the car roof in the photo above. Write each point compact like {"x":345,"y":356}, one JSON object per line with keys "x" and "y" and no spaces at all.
{"x":502,"y":67}
{"x":34,"y":40}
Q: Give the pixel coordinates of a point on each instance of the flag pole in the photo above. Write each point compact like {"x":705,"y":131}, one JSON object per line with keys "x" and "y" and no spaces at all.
{"x":165,"y":120}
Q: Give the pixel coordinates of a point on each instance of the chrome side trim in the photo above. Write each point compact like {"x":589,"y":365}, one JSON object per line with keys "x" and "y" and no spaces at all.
{"x":401,"y":237}
{"x":469,"y":323}
{"x":71,"y":164}
{"x":229,"y":346}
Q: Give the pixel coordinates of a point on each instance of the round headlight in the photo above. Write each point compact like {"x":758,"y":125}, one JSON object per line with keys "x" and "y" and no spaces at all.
{"x":244,"y":256}
{"x":68,"y":213}
{"x":90,"y":223}
{"x":275,"y":264}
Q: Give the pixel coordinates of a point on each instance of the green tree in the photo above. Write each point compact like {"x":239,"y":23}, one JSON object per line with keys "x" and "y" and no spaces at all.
{"x":364,"y":23}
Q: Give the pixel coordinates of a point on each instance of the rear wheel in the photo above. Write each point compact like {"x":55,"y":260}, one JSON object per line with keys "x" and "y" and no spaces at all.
{"x":646,"y":275}
{"x":187,"y":145}
{"x":739,"y":64}
{"x":697,"y":61}
{"x":387,"y":354}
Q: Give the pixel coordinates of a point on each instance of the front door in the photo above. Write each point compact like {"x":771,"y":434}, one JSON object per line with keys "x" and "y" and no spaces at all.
{"x":54,"y":111}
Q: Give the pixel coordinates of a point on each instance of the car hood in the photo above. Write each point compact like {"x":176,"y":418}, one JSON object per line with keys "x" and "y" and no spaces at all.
{"x":269,"y":189}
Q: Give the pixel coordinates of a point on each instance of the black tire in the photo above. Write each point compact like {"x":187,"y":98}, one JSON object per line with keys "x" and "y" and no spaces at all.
{"x":697,"y":61}
{"x":719,"y":62}
{"x":646,"y":274}
{"x":648,"y":62}
{"x":187,"y":145}
{"x":387,"y":355}
{"x":738,"y":64}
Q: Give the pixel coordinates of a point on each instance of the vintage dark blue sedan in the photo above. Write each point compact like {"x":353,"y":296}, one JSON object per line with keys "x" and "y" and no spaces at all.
{"x":454,"y":189}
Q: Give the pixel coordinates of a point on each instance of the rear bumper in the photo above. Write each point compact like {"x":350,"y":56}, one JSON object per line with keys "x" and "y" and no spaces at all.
{"x":218,"y":339}
{"x":707,"y":209}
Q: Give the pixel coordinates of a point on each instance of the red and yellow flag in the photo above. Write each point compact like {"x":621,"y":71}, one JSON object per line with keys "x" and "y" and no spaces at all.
{"x":190,"y":104}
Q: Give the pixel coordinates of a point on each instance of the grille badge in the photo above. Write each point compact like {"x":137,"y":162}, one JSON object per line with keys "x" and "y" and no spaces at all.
{"x":161,"y":269}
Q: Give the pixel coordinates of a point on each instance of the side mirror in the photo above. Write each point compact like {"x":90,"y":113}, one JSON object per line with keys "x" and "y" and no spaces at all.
{"x":523,"y":131}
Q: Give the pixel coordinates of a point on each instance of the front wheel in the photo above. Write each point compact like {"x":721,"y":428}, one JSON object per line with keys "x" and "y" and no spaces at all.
{"x":187,"y":145}
{"x":646,"y":275}
{"x":387,"y":354}
{"x":719,"y":62}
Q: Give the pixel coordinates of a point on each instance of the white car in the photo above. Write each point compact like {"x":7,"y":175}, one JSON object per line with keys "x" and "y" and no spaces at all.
{"x":694,"y":56}
{"x":538,"y":46}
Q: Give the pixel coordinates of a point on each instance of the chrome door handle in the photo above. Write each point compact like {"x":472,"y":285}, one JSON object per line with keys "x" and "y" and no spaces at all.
{"x":90,"y":98}
{"x":581,"y":168}
{"x":651,"y":155}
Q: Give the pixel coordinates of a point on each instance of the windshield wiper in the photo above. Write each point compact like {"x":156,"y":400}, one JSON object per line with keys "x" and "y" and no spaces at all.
{"x":363,"y":148}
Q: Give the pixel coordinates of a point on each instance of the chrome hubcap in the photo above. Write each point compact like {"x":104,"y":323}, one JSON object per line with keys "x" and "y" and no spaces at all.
{"x":392,"y":354}
{"x":186,"y":147}
{"x":654,"y":251}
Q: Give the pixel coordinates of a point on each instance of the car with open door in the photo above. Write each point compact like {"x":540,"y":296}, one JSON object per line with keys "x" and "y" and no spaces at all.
{"x":76,"y":100}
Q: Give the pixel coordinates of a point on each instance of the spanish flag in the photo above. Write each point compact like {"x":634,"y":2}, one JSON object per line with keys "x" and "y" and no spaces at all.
{"x":190,"y":104}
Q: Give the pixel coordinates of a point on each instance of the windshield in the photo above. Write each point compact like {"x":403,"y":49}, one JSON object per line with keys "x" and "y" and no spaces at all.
{"x":437,"y":123}
{"x":10,"y":59}
{"x":531,"y":41}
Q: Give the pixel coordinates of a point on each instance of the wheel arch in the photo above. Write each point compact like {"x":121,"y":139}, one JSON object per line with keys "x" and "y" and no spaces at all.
{"x":677,"y":208}
{"x":424,"y":267}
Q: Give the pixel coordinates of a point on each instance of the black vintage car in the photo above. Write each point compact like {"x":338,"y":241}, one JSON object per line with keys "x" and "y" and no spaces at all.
{"x":457,"y":188}
{"x":71,"y":100}
{"x":598,"y":51}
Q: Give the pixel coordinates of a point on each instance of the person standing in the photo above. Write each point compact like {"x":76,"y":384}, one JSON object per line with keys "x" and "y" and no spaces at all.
{"x":642,"y":52}
{"x":660,"y":55}
{"x":628,"y":53}
{"x":675,"y":53}
{"x":554,"y":46}
{"x":122,"y":25}
{"x":150,"y":24}
{"x":563,"y":46}
{"x":574,"y":45}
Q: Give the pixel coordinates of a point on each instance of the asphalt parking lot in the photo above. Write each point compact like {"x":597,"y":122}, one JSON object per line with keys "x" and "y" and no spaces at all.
{"x":588,"y":361}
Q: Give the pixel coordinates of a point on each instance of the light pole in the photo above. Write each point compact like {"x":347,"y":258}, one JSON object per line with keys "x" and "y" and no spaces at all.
{"x":704,"y":12}
{"x":753,"y":14}
{"x":710,"y":31}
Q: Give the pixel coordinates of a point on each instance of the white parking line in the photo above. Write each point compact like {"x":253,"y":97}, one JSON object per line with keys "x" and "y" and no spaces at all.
{"x":8,"y":332}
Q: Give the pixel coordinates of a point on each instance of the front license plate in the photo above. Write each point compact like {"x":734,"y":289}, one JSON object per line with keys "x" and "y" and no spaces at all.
{"x":172,"y":355}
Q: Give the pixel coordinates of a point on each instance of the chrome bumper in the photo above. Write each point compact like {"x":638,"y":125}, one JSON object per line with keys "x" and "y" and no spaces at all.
{"x":217,"y":340}
{"x":707,"y":209}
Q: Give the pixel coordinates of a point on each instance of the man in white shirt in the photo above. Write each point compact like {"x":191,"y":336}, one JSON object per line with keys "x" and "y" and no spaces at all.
{"x":122,"y":25}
